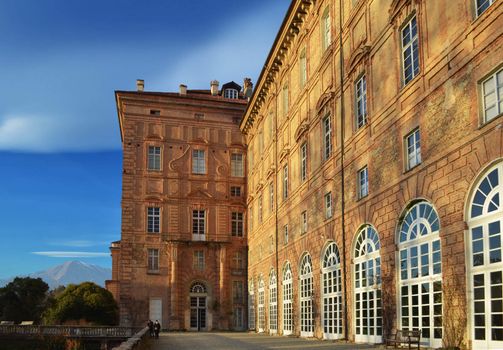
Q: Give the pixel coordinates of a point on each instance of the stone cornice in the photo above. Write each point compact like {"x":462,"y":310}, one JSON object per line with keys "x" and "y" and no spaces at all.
{"x":290,"y":28}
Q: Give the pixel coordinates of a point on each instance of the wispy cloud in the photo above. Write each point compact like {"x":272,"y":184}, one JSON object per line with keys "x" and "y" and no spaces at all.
{"x":78,"y":243}
{"x":63,"y":254}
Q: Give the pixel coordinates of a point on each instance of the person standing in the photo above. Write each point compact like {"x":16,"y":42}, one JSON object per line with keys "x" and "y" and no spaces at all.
{"x":150,"y":326}
{"x":157,"y":328}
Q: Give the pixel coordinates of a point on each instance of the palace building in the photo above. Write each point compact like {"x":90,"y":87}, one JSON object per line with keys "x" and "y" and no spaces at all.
{"x":182,"y":256}
{"x":375,"y":173}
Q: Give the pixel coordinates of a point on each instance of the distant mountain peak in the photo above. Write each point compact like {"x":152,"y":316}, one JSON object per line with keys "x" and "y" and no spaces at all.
{"x":72,"y":271}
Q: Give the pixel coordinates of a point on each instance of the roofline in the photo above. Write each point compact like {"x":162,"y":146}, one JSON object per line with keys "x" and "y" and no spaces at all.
{"x":253,"y":97}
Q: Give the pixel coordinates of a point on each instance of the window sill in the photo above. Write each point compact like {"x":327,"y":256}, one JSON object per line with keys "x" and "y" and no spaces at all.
{"x":485,"y":123}
{"x":153,"y":272}
{"x":412,"y":168}
{"x":362,"y":197}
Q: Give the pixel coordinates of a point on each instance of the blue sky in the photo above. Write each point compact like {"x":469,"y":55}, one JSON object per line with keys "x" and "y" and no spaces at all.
{"x":60,"y":62}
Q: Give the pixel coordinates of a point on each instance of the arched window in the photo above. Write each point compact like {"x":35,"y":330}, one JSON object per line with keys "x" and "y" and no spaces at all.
{"x":484,"y":265}
{"x":273,"y":302}
{"x":421,"y":273}
{"x":306,"y":297}
{"x":261,"y":306}
{"x":367,"y":279}
{"x":287,"y":300}
{"x":332,"y":293}
{"x":251,"y":306}
{"x":231,"y":93}
{"x":198,"y":288}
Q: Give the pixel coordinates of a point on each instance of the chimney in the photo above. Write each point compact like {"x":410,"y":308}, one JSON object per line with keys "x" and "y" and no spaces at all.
{"x":214,"y":87}
{"x":247,"y":88}
{"x":140,"y":84}
{"x":183,"y":90}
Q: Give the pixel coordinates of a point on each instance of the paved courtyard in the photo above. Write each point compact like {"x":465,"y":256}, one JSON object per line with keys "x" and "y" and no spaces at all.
{"x":244,"y":341}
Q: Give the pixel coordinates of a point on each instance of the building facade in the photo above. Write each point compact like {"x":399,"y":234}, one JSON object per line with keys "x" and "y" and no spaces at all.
{"x":182,"y":256}
{"x":375,"y":173}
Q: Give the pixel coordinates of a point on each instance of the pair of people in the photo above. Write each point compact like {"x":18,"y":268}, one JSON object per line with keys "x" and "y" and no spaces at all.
{"x":154,"y":328}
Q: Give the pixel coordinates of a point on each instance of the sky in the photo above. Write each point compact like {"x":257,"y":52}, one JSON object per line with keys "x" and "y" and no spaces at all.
{"x":60,"y":148}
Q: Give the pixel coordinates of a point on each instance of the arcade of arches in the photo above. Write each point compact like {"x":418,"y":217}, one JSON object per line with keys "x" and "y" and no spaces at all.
{"x":417,"y":279}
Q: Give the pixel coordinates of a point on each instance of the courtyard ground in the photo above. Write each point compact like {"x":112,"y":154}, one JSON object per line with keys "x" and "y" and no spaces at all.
{"x":245,"y":341}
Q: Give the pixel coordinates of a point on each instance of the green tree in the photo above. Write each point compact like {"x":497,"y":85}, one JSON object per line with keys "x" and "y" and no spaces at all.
{"x":23,"y":299}
{"x":86,"y":301}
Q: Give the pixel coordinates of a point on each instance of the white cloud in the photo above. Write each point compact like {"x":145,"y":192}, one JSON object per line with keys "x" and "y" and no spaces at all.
{"x":79,"y":243}
{"x":62,"y":254}
{"x":38,"y":133}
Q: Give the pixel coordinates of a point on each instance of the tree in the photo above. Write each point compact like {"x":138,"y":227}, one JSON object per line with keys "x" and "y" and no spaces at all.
{"x":23,"y":299}
{"x":86,"y":301}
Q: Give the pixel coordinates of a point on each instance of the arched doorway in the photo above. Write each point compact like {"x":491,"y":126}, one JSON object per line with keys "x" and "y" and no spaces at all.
{"x":198,"y":295}
{"x":306,"y":297}
{"x":331,"y":293}
{"x":420,"y":273}
{"x":484,"y":262}
{"x":367,"y":286}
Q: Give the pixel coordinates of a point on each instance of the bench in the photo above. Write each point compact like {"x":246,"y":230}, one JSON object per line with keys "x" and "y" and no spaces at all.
{"x":410,"y":337}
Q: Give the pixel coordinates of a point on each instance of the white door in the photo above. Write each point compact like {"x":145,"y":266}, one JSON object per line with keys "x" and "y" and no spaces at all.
{"x":156,"y":310}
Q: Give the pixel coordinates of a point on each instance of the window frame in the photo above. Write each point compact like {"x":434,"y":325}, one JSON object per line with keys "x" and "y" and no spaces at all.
{"x":327,"y":137}
{"x":303,"y":222}
{"x":285,"y":234}
{"x":326,"y":30}
{"x":361,"y":101}
{"x":154,"y":160}
{"x":154,"y":216}
{"x":477,"y":7}
{"x":414,"y":151}
{"x":329,"y":212}
{"x":363,"y":182}
{"x":237,"y":224}
{"x":152,"y":260}
{"x":410,"y":45}
{"x":303,"y":162}
{"x":235,"y":191}
{"x":237,"y":164}
{"x":498,"y":98}
{"x":196,"y":236}
{"x":231,"y":93}
{"x":285,"y":101}
{"x":198,"y":260}
{"x":285,"y":182}
{"x":303,"y":68}
{"x":199,"y":165}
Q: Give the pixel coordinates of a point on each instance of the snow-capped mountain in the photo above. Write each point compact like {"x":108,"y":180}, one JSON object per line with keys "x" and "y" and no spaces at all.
{"x":71,"y":272}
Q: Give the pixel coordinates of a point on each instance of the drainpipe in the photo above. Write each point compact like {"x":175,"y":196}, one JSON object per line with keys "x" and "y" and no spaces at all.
{"x":341,"y":75}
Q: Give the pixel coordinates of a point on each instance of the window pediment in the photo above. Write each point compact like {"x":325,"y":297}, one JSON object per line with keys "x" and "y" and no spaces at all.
{"x":199,"y":193}
{"x":284,"y":153}
{"x":323,"y":101}
{"x":301,"y":130}
{"x":358,"y":55}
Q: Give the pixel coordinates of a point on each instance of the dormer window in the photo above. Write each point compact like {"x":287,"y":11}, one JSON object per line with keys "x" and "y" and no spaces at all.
{"x":231,"y":93}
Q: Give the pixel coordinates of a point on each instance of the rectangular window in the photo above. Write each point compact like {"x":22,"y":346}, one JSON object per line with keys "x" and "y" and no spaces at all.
{"x":272,"y":131}
{"x":328,"y":205}
{"x":492,"y":95}
{"x":363,"y":182}
{"x":153,"y":260}
{"x":325,"y":28}
{"x":285,"y":182}
{"x":361,"y":102}
{"x":285,"y":234}
{"x":237,"y":224}
{"x":327,"y":137}
{"x":238,"y":260}
{"x":410,"y":52}
{"x":271,"y":197}
{"x":153,"y":220}
{"x":198,"y":260}
{"x":237,"y":165}
{"x":235,"y":191}
{"x":303,"y":68}
{"x":413,"y":144}
{"x":260,"y":217}
{"x":238,"y":317}
{"x":285,"y":100}
{"x":303,"y":162}
{"x":154,"y":158}
{"x":198,"y":224}
{"x":482,"y":5}
{"x":237,"y":292}
{"x":303,"y":222}
{"x":198,"y":162}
